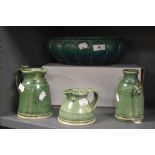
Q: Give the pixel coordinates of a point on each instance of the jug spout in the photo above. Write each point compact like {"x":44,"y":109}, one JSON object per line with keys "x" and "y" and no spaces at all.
{"x":67,"y":91}
{"x":39,"y":73}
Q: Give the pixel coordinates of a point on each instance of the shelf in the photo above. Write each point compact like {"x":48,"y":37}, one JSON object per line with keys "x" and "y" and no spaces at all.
{"x":104,"y":120}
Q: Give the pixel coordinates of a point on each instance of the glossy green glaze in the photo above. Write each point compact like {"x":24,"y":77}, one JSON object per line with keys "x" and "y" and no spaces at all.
{"x":35,"y":101}
{"x":86,"y":50}
{"x":76,"y":110}
{"x":130,"y":98}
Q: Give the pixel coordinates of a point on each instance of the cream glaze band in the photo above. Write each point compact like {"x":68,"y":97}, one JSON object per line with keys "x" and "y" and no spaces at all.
{"x":131,"y":120}
{"x":76,"y":123}
{"x":34,"y":117}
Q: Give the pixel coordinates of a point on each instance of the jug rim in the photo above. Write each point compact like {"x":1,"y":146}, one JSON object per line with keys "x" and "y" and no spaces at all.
{"x":27,"y":70}
{"x":34,"y":70}
{"x":130,"y":71}
{"x":77,"y":91}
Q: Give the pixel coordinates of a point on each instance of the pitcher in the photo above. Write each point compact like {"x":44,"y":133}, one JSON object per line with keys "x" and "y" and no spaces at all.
{"x":77,"y":110}
{"x":130,"y":98}
{"x":34,"y":101}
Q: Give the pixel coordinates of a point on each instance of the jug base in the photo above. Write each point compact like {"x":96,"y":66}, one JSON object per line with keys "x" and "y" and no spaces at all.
{"x":76,"y":123}
{"x":134,"y":120}
{"x":34,"y":117}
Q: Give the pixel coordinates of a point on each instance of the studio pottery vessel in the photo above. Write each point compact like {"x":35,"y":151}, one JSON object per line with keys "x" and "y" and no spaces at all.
{"x":86,"y":50}
{"x":35,"y":100}
{"x":130,"y":98}
{"x":77,"y":110}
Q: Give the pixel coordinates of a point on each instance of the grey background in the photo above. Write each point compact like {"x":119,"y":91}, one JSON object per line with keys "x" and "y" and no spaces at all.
{"x":27,"y":46}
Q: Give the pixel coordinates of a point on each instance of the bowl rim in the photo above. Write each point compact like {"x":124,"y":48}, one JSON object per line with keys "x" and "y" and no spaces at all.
{"x":84,"y":38}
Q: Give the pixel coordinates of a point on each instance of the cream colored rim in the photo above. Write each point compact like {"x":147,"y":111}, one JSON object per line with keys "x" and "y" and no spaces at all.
{"x":76,"y":123}
{"x":34,"y":117}
{"x":136,"y":121}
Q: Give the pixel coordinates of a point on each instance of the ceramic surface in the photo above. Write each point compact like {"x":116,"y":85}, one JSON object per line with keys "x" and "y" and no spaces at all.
{"x":35,"y":100}
{"x":130,"y":98}
{"x":86,"y":50}
{"x":77,"y":110}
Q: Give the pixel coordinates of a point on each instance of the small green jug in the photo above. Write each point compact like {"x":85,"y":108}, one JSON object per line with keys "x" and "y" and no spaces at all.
{"x":130,"y":98}
{"x":35,"y":100}
{"x":77,"y":110}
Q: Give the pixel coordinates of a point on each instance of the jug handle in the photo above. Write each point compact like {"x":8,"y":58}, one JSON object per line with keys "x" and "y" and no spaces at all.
{"x":95,"y":99}
{"x":17,"y":76}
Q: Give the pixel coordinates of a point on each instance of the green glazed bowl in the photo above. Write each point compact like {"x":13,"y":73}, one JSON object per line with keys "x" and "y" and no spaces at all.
{"x":86,"y":50}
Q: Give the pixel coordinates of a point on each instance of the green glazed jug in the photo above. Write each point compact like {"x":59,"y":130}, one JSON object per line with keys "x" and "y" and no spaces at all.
{"x":130,"y":98}
{"x":34,"y":100}
{"x":77,"y":110}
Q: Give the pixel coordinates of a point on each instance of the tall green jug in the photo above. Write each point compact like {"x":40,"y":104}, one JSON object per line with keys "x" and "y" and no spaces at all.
{"x":35,"y":100}
{"x":130,"y":98}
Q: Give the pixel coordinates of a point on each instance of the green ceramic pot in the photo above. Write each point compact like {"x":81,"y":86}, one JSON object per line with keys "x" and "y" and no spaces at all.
{"x":35,"y":100}
{"x":130,"y":98}
{"x":86,"y":50}
{"x":76,"y":110}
